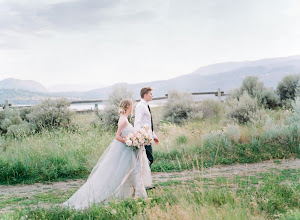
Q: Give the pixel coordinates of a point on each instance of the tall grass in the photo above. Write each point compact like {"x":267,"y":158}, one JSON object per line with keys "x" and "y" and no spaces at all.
{"x":52,"y":155}
{"x":265,"y":196}
{"x":63,"y":154}
{"x":208,"y":143}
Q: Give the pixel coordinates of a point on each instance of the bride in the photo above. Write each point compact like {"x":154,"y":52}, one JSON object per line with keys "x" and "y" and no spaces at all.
{"x":121,"y":172}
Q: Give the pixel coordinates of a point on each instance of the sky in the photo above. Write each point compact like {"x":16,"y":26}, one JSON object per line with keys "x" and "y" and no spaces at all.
{"x":103,"y":42}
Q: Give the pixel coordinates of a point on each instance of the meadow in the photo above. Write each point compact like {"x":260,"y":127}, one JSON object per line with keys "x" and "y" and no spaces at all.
{"x":64,"y":154}
{"x":193,"y":136}
{"x":271,"y":195}
{"x":61,"y":155}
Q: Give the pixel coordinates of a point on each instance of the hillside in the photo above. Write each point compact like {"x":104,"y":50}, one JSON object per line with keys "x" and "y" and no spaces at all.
{"x":226,"y":76}
{"x":17,"y":96}
{"x":28,"y":85}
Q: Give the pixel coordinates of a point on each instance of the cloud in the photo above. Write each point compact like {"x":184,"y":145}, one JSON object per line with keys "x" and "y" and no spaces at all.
{"x":40,"y":19}
{"x":55,"y":40}
{"x":68,"y":15}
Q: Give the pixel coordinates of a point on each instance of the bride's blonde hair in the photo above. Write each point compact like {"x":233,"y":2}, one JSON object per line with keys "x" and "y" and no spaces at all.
{"x":124,"y":105}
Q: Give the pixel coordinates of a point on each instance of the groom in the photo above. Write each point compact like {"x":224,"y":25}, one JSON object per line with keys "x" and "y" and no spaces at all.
{"x":143,"y":116}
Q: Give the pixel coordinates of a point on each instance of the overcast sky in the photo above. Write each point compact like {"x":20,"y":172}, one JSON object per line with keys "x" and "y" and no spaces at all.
{"x":112,"y":41}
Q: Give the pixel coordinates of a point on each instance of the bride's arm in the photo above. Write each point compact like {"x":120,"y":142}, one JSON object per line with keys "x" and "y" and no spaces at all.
{"x":121,"y":125}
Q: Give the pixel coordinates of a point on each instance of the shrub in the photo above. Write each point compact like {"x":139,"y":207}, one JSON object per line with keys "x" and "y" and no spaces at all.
{"x":244,"y":110}
{"x":180,"y":107}
{"x":216,"y":144}
{"x":294,"y":118}
{"x":287,"y":89}
{"x":50,"y":114}
{"x":211,"y":108}
{"x":253,"y":86}
{"x":110,"y":115}
{"x":9,"y":117}
{"x":21,"y":130}
{"x":233,"y":132}
{"x":24,"y":112}
{"x":286,"y":134}
{"x":256,"y":89}
{"x":270,"y":98}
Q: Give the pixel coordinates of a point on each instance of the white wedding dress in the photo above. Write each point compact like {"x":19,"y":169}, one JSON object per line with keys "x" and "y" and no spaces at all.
{"x":121,"y":172}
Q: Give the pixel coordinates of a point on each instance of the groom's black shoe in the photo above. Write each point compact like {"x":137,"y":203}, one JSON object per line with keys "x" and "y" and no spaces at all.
{"x":150,"y":187}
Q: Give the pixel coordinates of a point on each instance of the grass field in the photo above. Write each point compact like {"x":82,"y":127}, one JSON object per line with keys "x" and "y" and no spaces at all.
{"x":62,"y":154}
{"x":271,"y":195}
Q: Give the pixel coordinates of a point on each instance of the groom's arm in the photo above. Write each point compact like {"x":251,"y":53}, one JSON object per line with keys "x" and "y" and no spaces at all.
{"x":138,"y":117}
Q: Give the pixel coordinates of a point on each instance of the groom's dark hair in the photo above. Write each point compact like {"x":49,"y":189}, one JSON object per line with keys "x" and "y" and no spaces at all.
{"x":145,"y":90}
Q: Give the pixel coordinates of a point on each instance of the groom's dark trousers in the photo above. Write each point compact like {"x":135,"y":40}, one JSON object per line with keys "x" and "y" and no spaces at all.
{"x":149,"y":153}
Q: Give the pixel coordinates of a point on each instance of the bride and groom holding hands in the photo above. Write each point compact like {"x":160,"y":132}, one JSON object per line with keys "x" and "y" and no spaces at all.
{"x":121,"y":172}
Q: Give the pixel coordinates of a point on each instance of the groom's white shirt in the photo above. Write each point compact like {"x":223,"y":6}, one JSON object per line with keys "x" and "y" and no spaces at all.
{"x":142,"y":116}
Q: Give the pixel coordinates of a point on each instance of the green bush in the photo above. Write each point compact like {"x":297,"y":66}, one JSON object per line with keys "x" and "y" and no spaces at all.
{"x":24,"y":112}
{"x":256,"y":89}
{"x":270,"y":99}
{"x":51,"y":114}
{"x":9,"y":117}
{"x":211,"y":108}
{"x":21,"y":130}
{"x":180,"y":107}
{"x":233,"y":132}
{"x":294,"y":117}
{"x":243,"y":110}
{"x":287,"y":89}
{"x":110,"y":115}
{"x":26,"y":121}
{"x":296,"y":108}
{"x":229,"y":146}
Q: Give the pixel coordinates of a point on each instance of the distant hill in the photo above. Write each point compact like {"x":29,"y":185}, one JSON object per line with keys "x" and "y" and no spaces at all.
{"x":226,"y":76}
{"x":75,"y":87}
{"x":28,"y":85}
{"x":18,"y":96}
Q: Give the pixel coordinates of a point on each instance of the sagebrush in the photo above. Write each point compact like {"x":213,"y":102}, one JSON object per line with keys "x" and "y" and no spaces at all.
{"x":243,"y":110}
{"x":266,"y":97}
{"x":180,"y":107}
{"x":50,"y":114}
{"x":287,"y":89}
{"x":110,"y":115}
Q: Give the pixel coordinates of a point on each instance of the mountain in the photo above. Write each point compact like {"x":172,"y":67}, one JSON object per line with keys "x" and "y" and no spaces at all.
{"x":24,"y":97}
{"x":226,"y":76}
{"x":28,"y":85}
{"x":75,"y":87}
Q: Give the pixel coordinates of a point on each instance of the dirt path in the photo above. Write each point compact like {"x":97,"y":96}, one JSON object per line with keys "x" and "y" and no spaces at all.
{"x":217,"y":171}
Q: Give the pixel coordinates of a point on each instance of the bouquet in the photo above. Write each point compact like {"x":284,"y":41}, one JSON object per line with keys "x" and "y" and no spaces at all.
{"x":139,"y":138}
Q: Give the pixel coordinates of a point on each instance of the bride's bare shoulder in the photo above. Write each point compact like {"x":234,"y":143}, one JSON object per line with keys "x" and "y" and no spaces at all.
{"x":123,"y":121}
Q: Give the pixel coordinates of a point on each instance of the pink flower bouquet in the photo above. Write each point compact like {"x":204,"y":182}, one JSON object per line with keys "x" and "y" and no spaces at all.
{"x":139,"y":138}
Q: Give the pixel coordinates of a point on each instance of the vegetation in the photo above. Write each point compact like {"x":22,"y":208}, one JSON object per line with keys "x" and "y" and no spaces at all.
{"x":272,"y":195}
{"x":50,"y":143}
{"x":287,"y":89}
{"x":110,"y":115}
{"x":180,"y":108}
{"x":65,"y":154}
{"x":266,"y":97}
{"x":211,"y":109}
{"x":243,"y":110}
{"x":50,"y":114}
{"x":8,"y":118}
